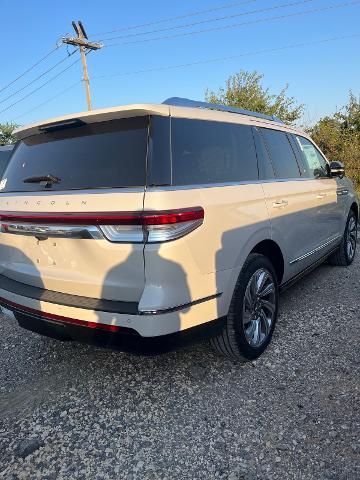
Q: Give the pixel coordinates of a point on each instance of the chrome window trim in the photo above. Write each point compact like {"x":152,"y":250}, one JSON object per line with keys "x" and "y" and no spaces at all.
{"x":75,"y":192}
{"x":155,"y":188}
{"x":317,"y":249}
{"x":225,"y":184}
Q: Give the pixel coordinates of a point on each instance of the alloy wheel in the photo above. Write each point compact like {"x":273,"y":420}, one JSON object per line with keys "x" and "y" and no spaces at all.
{"x":259,"y":307}
{"x":351,"y":237}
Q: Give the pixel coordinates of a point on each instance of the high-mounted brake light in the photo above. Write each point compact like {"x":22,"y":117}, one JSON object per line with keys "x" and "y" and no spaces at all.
{"x":126,"y":227}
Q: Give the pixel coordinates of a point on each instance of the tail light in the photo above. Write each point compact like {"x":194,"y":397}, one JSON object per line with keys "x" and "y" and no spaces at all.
{"x":138,"y":227}
{"x":153,"y":227}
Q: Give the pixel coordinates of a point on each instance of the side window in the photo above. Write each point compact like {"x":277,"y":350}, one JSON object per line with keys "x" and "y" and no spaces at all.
{"x":314,"y":162}
{"x":212,"y":152}
{"x":281,"y":153}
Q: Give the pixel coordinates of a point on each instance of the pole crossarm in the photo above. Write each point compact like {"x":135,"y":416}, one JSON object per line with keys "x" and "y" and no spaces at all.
{"x":81,"y":42}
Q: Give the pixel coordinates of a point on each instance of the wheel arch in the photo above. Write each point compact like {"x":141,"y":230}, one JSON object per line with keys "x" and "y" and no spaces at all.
{"x":272,"y":251}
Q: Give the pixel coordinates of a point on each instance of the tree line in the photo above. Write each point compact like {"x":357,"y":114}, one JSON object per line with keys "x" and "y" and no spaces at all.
{"x":337,"y":135}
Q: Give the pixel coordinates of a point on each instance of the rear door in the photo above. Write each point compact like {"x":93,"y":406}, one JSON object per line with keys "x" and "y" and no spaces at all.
{"x":214,"y":166}
{"x":290,"y":200}
{"x":60,"y":190}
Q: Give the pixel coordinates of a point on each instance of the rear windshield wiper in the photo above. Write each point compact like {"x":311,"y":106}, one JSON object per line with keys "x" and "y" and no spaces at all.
{"x":48,"y":179}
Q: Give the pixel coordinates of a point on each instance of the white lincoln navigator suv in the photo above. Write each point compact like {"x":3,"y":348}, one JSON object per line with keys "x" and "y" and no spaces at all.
{"x":140,"y":227}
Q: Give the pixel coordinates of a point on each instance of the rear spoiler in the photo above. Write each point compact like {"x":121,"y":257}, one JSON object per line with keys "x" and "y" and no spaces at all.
{"x":103,"y":115}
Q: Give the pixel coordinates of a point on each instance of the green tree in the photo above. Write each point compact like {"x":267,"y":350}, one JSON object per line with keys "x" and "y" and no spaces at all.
{"x":6,"y":133}
{"x":245,"y":90}
{"x":338,"y":137}
{"x":349,"y":116}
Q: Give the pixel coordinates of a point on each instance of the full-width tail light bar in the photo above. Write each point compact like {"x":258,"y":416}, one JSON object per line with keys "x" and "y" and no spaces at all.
{"x":126,"y":227}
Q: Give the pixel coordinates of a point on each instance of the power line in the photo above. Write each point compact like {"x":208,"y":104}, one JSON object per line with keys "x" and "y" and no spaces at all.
{"x":48,"y":100}
{"x":179,"y":17}
{"x":30,"y":68}
{"x":41,"y":86}
{"x":201,"y":22}
{"x":232,"y":57}
{"x":37,"y":78}
{"x":235,"y":25}
{"x":198,"y":62}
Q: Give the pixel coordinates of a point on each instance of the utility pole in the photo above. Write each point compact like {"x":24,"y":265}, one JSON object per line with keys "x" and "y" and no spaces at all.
{"x":81,"y":41}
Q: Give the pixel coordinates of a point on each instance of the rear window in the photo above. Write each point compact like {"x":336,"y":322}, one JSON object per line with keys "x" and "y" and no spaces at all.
{"x":281,"y":153}
{"x":205,"y":152}
{"x":99,"y":155}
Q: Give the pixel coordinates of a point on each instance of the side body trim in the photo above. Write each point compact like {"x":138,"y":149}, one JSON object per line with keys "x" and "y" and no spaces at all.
{"x":307,"y":270}
{"x":179,"y":307}
{"x":317,"y":249}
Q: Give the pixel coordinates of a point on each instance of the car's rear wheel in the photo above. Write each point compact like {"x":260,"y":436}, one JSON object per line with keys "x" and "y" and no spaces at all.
{"x":253,"y":311}
{"x":345,"y":254}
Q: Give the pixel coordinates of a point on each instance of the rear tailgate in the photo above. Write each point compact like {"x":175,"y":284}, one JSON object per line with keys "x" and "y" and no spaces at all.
{"x":51,"y":237}
{"x":90,"y":267}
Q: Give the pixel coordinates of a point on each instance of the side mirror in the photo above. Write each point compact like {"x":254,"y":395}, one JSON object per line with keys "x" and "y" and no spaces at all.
{"x":337,"y":169}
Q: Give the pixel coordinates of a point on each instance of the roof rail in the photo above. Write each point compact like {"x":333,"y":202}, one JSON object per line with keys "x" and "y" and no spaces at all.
{"x":185,"y":102}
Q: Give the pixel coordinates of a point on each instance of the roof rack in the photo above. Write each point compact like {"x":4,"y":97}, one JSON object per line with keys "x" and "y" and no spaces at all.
{"x":185,"y":102}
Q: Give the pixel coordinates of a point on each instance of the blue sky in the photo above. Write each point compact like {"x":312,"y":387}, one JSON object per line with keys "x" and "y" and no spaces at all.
{"x":319,"y":75}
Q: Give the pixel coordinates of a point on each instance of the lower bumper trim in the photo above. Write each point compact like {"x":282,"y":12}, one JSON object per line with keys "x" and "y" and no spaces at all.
{"x":122,"y":339}
{"x":87,"y":303}
{"x":66,"y":299}
{"x":58,"y":318}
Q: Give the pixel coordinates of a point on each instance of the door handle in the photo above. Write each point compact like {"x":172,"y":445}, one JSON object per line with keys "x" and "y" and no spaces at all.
{"x":280,"y":203}
{"x":321,"y":195}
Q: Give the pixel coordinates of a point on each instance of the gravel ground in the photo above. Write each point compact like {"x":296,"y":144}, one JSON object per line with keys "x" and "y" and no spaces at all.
{"x":69,"y":411}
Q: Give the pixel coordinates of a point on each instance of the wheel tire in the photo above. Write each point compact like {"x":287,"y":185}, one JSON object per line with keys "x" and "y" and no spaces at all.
{"x":234,"y":340}
{"x":343,"y":257}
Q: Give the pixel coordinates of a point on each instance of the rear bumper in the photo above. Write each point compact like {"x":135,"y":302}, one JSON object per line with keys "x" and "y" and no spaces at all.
{"x":123,"y":340}
{"x":74,"y":319}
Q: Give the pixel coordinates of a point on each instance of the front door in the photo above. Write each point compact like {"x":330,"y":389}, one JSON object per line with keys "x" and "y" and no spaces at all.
{"x":330,"y":208}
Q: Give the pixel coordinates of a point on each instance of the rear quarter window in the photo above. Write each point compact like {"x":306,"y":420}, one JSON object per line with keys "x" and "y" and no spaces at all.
{"x":206,"y":152}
